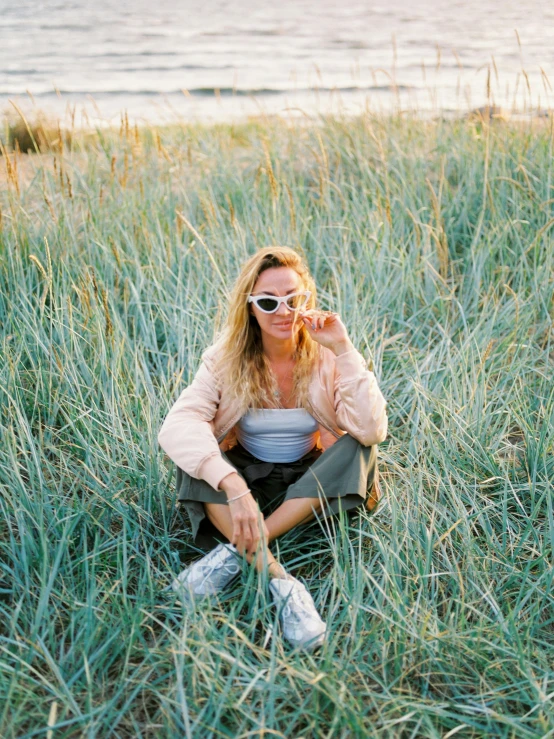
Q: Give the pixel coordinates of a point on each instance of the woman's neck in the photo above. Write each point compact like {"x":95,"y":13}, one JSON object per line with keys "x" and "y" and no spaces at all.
{"x":279,"y":351}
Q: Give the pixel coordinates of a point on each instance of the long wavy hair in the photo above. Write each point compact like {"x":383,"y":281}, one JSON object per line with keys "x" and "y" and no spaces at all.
{"x":241,"y":363}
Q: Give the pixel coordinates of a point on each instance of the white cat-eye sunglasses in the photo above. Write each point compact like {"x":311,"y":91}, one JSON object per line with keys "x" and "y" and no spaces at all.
{"x":271,"y":303}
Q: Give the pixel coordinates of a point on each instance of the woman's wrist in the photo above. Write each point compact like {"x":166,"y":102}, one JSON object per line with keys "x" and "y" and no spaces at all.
{"x":232,"y":485}
{"x":342,"y":347}
{"x":240,"y":495}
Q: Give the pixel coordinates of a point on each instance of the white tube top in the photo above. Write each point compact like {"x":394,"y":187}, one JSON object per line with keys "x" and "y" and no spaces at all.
{"x":277,"y":434}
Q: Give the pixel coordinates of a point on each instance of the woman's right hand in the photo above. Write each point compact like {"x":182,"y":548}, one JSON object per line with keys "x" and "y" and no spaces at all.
{"x":248,"y":522}
{"x":249,"y":527}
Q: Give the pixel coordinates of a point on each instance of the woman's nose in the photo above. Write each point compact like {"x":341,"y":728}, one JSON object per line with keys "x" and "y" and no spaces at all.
{"x":283,"y":310}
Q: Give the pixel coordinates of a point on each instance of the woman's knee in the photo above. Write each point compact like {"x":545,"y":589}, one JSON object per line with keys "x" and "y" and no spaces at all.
{"x":347,"y":440}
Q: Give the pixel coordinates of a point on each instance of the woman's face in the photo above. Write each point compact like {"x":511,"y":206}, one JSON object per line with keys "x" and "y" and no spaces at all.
{"x":279,"y":281}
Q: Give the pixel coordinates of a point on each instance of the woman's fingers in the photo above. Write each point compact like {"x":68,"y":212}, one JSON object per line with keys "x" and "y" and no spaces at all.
{"x":248,"y":530}
{"x":254,"y":538}
{"x":258,"y":534}
{"x":240,"y":534}
{"x":237,"y":536}
{"x":316,"y":319}
{"x":315,"y":312}
{"x":246,"y":538}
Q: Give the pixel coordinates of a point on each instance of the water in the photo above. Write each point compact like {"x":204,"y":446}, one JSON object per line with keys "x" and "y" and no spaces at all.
{"x":219,"y":59}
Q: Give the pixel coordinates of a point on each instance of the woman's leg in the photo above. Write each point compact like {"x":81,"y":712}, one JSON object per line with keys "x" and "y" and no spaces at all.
{"x":343,"y":476}
{"x":345,"y":466}
{"x":291,"y":513}
{"x":296,"y":511}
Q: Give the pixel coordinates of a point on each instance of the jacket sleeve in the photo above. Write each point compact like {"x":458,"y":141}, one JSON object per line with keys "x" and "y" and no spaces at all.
{"x":359,"y":404}
{"x":186,"y":435}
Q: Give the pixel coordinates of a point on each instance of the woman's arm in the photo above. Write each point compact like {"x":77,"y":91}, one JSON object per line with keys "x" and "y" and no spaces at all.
{"x":359,"y":404}
{"x":187,"y":438}
{"x":186,"y":434}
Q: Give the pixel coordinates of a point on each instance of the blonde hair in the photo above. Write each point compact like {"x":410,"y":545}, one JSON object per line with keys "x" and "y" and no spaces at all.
{"x":241,"y":363}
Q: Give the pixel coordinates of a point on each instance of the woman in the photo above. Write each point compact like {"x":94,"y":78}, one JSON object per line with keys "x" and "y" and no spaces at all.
{"x":280,"y":424}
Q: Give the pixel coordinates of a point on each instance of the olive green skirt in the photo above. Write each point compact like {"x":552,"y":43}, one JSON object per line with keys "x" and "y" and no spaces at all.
{"x":341,"y":477}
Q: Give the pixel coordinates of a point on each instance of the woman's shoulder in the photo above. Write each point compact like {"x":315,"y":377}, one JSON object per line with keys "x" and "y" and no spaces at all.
{"x":213,"y":351}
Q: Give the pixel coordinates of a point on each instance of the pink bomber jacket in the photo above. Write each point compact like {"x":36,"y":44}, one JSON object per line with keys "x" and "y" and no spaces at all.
{"x":343,"y":397}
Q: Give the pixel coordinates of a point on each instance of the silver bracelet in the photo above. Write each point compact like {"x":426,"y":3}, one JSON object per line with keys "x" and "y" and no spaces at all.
{"x":230,"y":500}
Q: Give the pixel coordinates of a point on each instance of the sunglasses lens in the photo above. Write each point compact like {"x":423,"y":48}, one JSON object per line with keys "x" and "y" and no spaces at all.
{"x":296,"y":301}
{"x":267,"y":304}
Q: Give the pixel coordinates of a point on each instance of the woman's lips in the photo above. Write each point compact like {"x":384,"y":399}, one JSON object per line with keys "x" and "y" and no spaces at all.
{"x":288,"y":324}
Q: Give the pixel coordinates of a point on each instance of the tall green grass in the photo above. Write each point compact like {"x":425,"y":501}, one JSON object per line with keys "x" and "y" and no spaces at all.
{"x":434,"y":240}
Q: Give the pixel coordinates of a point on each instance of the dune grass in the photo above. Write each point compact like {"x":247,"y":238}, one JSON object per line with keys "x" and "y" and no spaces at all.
{"x":434,"y":240}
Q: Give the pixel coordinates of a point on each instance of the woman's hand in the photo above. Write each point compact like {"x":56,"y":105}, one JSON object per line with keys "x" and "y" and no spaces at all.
{"x":327,"y":329}
{"x":249,"y":527}
{"x":248,"y":522}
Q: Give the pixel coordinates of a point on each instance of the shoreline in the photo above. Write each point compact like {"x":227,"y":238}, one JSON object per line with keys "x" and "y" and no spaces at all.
{"x":22,"y":164}
{"x":15,"y":124}
{"x":207,"y":106}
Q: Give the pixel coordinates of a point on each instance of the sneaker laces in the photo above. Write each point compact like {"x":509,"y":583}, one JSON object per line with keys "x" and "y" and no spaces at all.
{"x":299,"y":603}
{"x":221,"y":561}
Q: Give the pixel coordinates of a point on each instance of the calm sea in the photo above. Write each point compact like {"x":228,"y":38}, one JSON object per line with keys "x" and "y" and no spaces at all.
{"x":217,"y":59}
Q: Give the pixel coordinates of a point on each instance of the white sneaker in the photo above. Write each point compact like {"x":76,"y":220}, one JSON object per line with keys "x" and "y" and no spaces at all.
{"x":301,"y":623}
{"x":208,"y":575}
